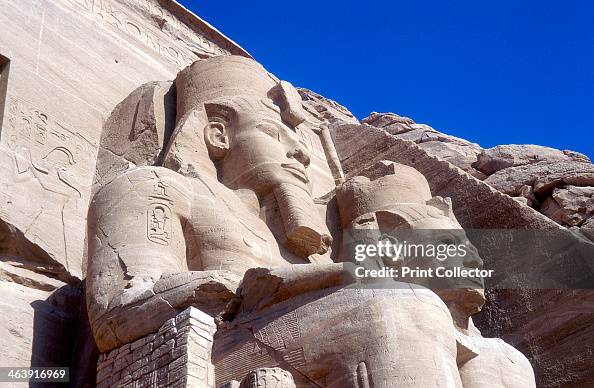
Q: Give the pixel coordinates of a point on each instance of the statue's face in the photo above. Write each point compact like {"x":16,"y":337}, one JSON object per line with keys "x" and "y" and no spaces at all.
{"x":264,"y":153}
{"x":467,"y":293}
{"x":447,"y":231}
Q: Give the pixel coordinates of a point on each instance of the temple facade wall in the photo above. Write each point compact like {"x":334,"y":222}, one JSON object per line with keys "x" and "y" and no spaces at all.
{"x":65,"y":65}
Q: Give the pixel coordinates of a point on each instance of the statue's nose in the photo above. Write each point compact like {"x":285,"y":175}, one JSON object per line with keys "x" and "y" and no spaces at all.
{"x":472,"y":259}
{"x":300,"y":153}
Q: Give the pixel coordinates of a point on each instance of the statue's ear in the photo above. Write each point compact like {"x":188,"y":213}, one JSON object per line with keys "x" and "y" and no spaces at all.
{"x":216,"y":132}
{"x":389,"y":220}
{"x":442,"y":204}
{"x":216,"y":138}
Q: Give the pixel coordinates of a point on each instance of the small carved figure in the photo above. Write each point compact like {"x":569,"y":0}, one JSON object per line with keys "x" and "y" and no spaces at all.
{"x":268,"y":378}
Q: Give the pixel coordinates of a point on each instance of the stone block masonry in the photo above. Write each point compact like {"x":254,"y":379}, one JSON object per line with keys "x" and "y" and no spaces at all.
{"x":178,"y":355}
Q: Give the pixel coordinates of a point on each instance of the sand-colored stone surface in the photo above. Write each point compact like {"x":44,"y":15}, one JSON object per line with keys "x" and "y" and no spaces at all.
{"x":172,"y":214}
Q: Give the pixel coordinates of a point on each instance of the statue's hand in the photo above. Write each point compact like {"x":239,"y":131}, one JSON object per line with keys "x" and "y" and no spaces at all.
{"x":262,"y":287}
{"x":208,"y":291}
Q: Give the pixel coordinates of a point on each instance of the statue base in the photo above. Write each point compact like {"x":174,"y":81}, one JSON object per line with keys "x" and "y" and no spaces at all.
{"x":178,"y":355}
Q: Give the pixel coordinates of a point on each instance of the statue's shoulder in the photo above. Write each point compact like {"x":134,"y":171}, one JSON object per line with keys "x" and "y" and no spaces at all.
{"x":142,"y":186}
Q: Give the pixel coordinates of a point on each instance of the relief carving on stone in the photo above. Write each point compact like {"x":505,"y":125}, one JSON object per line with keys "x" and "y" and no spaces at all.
{"x":166,"y":35}
{"x":49,"y":161}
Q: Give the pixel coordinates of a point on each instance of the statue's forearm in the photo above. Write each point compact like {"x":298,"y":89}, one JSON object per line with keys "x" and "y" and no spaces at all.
{"x":137,"y":311}
{"x":275,"y":285}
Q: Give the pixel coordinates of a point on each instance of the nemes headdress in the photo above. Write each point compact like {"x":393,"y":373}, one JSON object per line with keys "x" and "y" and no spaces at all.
{"x":228,"y":77}
{"x":383,"y":186}
{"x":221,"y":85}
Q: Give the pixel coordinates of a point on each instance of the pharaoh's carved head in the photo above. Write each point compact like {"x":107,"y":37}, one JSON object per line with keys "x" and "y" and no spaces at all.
{"x":249,"y":122}
{"x":391,"y":199}
{"x":238,"y":123}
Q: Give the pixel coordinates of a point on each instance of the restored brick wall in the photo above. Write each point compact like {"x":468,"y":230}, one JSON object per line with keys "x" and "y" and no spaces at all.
{"x":178,"y":355}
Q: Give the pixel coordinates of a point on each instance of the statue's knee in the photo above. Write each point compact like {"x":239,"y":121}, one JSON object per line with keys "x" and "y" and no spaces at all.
{"x":105,"y":338}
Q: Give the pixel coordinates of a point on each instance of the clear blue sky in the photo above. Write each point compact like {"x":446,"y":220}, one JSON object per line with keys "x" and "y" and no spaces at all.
{"x":493,"y":72}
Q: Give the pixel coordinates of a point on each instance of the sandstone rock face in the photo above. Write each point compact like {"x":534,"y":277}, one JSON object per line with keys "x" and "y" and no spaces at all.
{"x":64,"y":66}
{"x":497,"y":158}
{"x":538,"y":317}
{"x":577,"y":156}
{"x":459,"y":152}
{"x":39,"y":319}
{"x":529,"y":173}
{"x":520,"y":316}
{"x":542,"y":177}
{"x":168,"y":207}
{"x":557,"y":183}
{"x":20,"y":340}
{"x":360,"y":146}
{"x":572,"y":205}
{"x":323,"y":109}
{"x":460,"y":155}
{"x":562,"y":191}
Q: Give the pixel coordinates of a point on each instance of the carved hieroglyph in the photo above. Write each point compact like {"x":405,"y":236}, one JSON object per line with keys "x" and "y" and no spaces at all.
{"x":235,"y":195}
{"x":53,"y":164}
{"x":166,"y":35}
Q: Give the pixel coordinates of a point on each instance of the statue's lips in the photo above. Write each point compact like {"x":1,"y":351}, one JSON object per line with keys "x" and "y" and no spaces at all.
{"x":296,"y":169}
{"x":473,"y":283}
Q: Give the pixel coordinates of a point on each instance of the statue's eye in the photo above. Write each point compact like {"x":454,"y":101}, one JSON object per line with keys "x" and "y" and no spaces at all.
{"x":269,"y":129}
{"x":448,"y":240}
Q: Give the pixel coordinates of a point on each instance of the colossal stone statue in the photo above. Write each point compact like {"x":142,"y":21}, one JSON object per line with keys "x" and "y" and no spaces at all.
{"x":227,"y":218}
{"x":234,"y":180}
{"x":389,"y":334}
{"x":389,"y":197}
